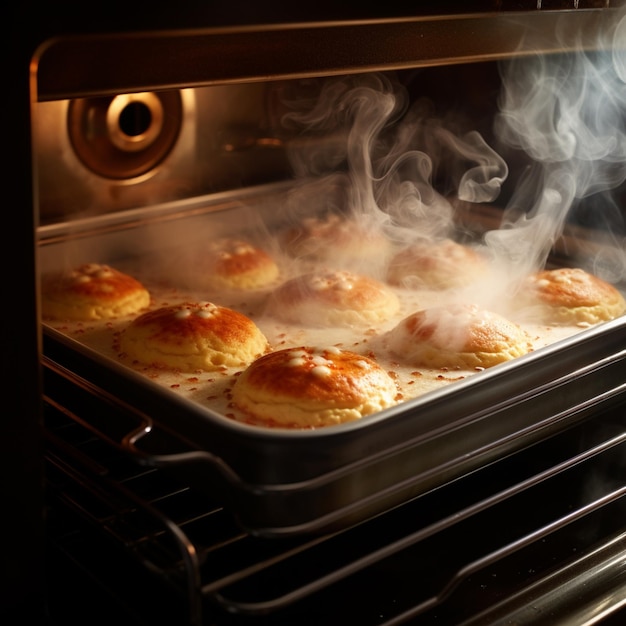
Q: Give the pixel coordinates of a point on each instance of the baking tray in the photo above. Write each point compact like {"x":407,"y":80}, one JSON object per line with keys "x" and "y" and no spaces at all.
{"x":280,"y":482}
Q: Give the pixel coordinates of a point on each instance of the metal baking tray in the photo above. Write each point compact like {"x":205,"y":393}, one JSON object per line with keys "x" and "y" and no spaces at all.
{"x":281,"y":482}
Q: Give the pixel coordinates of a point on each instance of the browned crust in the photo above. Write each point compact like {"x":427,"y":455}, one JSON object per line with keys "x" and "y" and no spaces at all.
{"x":167,"y":326}
{"x":93,"y":281}
{"x":572,"y":287}
{"x":480,"y":335}
{"x":333,"y":294}
{"x":92,"y":291}
{"x":461,"y":336}
{"x":192,"y":336}
{"x":342,"y":378}
{"x":310,"y":387}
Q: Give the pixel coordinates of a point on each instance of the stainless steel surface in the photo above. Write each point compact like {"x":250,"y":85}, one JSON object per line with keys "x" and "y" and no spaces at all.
{"x":99,"y":155}
{"x":503,"y":500}
{"x":105,"y":133}
{"x":289,"y":482}
{"x":535,"y":538}
{"x":108,"y":65}
{"x":91,"y":160}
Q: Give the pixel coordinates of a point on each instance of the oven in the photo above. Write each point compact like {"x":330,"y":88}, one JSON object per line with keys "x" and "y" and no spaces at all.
{"x":134,"y":496}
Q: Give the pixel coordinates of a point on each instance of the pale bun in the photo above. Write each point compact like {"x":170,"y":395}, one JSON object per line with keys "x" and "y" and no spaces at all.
{"x":571,"y":296}
{"x":92,"y":291}
{"x":457,"y":336}
{"x":225,"y":264}
{"x":192,"y":336}
{"x":344,"y":241}
{"x":333,"y":298}
{"x":309,"y":387}
{"x":436,"y":265}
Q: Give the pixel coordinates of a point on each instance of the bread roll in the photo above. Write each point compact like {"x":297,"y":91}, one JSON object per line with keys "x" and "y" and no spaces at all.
{"x":92,"y":291}
{"x":309,"y":387}
{"x":457,"y":336}
{"x":224,"y":264}
{"x":193,"y":336}
{"x":333,"y":298}
{"x":436,"y":265}
{"x":571,"y":296}
{"x":336,"y":240}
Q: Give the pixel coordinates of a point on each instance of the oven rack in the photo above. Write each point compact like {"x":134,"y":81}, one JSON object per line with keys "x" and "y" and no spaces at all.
{"x":531,"y":538}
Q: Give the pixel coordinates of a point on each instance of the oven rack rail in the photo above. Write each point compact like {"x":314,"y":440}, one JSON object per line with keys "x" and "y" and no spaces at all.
{"x":483,"y":548}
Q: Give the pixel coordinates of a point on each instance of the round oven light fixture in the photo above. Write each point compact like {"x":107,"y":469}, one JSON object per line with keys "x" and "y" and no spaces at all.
{"x":134,"y":121}
{"x":127,"y":135}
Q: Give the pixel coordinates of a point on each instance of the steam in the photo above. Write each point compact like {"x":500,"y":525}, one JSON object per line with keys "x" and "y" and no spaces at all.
{"x":568,"y":113}
{"x":391,"y":152}
{"x":402,"y":163}
{"x":362,"y":147}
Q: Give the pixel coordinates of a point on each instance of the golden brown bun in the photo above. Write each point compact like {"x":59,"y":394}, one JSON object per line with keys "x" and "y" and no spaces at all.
{"x":226,"y":264}
{"x":335,"y":239}
{"x":459,"y":336}
{"x":437,"y":265}
{"x":572,"y":296}
{"x":92,"y":292}
{"x":310,"y":387}
{"x":334,"y":298}
{"x":193,"y":336}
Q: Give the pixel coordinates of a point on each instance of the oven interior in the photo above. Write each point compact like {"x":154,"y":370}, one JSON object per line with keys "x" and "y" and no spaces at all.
{"x":530,"y":533}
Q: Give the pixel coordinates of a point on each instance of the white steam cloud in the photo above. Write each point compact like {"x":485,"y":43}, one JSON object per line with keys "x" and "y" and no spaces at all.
{"x":392,"y":151}
{"x":568,"y":113}
{"x":565,"y":111}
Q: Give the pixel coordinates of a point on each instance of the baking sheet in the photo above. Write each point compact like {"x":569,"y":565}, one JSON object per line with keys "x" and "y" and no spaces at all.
{"x":211,"y":389}
{"x":281,"y":481}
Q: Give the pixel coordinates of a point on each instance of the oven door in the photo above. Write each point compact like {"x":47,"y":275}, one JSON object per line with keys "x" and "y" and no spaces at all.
{"x":429,"y":556}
